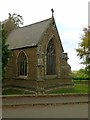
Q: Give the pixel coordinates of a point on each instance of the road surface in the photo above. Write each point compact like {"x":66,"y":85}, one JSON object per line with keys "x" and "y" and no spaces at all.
{"x":52,"y":106}
{"x":46,"y":111}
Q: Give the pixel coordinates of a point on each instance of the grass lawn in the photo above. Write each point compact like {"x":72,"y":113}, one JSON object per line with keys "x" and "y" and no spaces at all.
{"x":79,"y":87}
{"x":14,"y":91}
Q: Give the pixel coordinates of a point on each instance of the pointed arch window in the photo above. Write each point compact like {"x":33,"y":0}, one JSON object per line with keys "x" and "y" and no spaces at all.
{"x":51,"y":59}
{"x":22,"y":64}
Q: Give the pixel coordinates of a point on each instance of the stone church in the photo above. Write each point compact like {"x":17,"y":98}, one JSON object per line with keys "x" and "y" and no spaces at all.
{"x":38,"y":61}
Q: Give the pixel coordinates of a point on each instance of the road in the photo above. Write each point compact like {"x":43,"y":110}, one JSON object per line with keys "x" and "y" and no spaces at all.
{"x":48,"y":106}
{"x":46,"y":111}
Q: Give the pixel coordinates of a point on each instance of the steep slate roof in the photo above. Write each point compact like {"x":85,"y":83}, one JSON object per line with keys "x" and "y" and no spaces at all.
{"x":27,"y":36}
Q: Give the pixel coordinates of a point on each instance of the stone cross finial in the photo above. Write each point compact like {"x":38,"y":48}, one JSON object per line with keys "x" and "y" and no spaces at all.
{"x":52,"y":11}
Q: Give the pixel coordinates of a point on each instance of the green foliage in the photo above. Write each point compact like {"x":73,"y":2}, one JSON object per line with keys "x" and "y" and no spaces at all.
{"x":80,"y":75}
{"x":13,"y":21}
{"x":8,"y":25}
{"x":84,"y":49}
{"x":5,"y":52}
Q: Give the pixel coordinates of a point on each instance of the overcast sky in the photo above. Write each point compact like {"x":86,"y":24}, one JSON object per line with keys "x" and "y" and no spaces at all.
{"x":70,"y":16}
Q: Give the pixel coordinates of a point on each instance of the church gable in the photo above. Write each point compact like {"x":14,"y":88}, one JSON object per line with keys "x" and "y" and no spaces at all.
{"x":50,"y":53}
{"x":55,"y":32}
{"x":51,"y":31}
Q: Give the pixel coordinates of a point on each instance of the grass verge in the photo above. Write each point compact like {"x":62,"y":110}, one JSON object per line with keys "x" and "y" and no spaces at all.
{"x":12,"y":91}
{"x":80,"y":87}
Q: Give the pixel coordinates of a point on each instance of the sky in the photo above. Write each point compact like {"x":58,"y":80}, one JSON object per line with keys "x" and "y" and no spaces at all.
{"x":71,"y":17}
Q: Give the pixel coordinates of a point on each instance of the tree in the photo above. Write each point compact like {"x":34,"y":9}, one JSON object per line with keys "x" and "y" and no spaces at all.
{"x":5,"y":52}
{"x":13,"y":21}
{"x":84,"y":49}
{"x":8,"y":25}
{"x":80,"y":74}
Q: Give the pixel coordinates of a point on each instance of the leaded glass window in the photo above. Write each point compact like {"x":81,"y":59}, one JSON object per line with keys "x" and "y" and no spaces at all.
{"x":22,"y":65}
{"x":51,"y":59}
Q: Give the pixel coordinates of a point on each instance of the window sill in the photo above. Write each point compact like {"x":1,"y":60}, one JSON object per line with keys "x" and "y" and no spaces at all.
{"x":50,"y":76}
{"x":22,"y":77}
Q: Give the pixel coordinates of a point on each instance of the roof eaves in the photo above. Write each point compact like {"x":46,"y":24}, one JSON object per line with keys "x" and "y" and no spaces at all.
{"x":25,"y":47}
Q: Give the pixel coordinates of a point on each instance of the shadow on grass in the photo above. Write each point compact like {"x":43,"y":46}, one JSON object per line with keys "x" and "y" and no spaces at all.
{"x":78,"y":88}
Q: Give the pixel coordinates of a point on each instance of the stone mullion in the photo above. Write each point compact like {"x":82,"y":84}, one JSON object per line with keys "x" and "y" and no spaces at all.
{"x":40,"y":64}
{"x":59,"y":66}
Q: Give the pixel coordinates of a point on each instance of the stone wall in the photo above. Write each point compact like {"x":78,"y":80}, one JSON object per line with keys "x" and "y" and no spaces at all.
{"x":12,"y":77}
{"x":63,"y":69}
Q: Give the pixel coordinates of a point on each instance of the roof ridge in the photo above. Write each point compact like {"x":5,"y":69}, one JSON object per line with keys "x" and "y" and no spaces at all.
{"x":27,"y":35}
{"x":36,"y":23}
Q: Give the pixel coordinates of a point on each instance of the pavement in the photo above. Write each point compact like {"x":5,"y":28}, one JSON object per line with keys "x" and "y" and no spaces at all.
{"x":44,"y":99}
